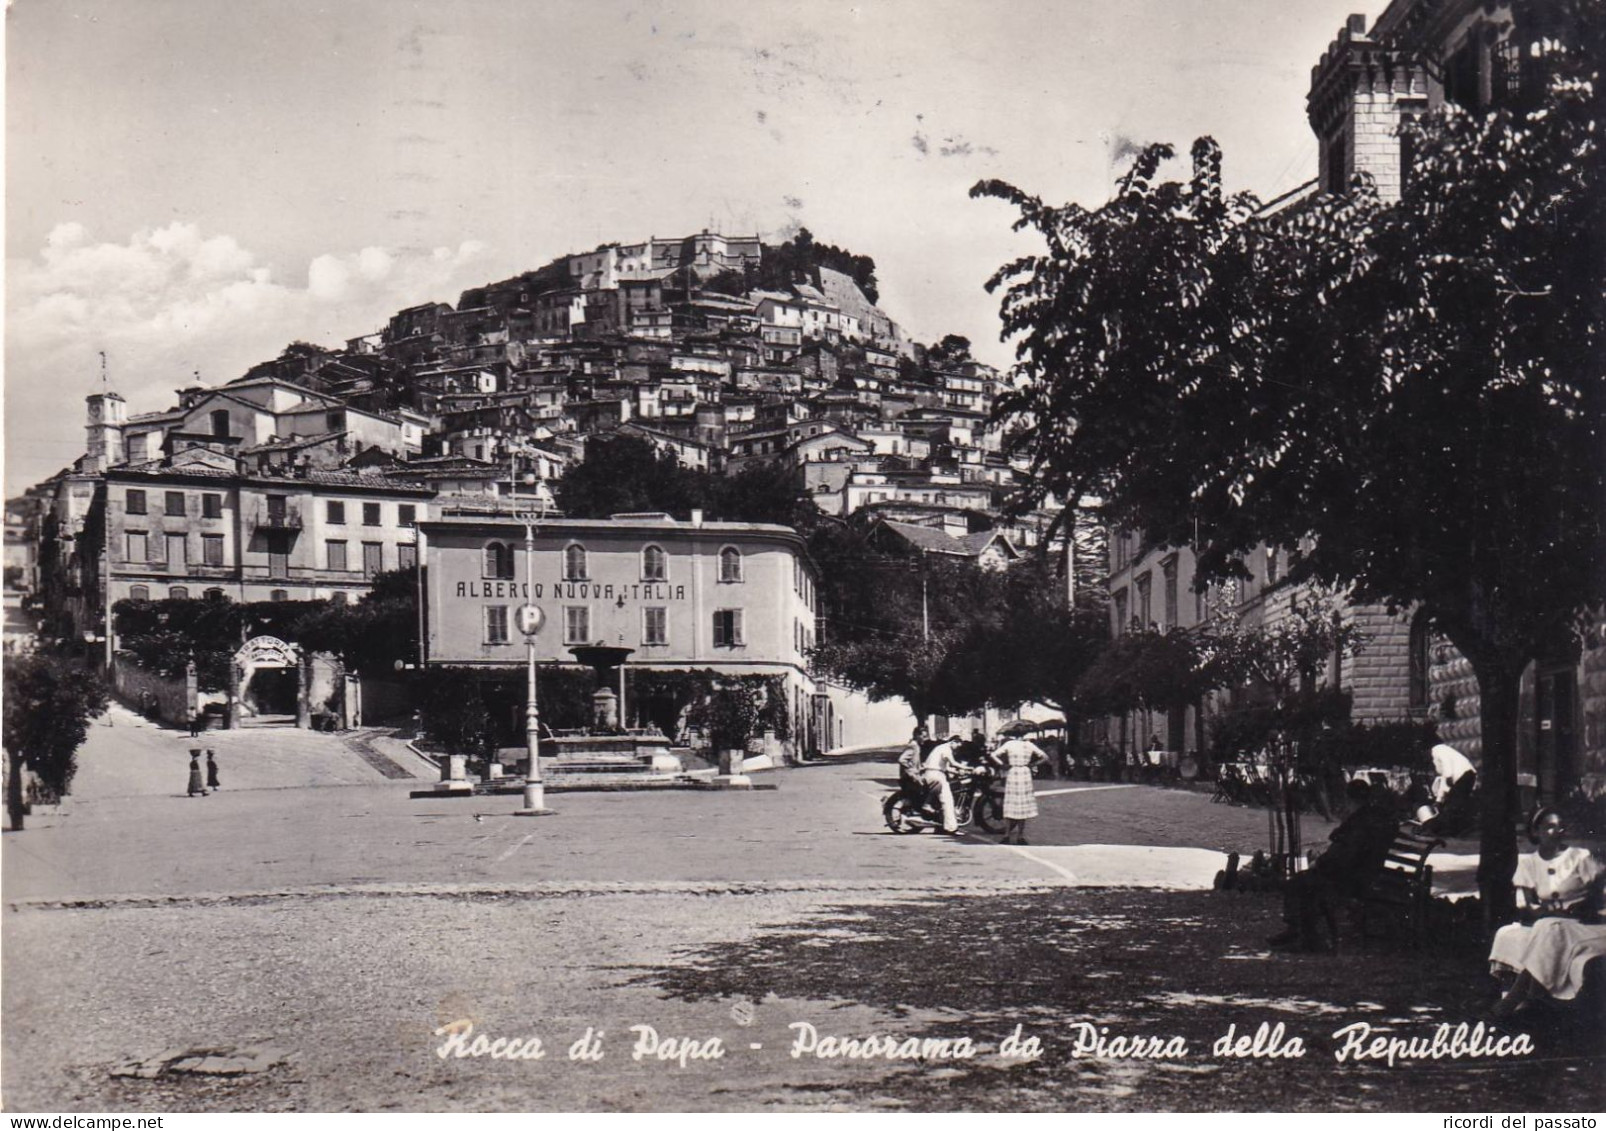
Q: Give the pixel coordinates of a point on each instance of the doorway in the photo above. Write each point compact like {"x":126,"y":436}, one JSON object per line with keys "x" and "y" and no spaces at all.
{"x":272,"y":694}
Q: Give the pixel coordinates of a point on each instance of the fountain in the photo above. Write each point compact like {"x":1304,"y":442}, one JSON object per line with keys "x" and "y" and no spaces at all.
{"x":606,"y":748}
{"x":603,"y":660}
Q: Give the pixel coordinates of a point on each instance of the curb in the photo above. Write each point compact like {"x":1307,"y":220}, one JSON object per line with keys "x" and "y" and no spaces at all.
{"x":412,"y":744}
{"x":559,"y":890}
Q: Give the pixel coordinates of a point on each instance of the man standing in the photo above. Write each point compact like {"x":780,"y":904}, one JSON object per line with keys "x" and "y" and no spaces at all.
{"x":940,"y":762}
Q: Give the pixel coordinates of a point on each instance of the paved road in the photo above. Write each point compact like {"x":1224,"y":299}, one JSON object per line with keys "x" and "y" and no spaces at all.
{"x":301,"y":810}
{"x":312,"y":907}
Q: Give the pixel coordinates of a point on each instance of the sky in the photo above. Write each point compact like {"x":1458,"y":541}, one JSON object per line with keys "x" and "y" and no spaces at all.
{"x":193,"y":184}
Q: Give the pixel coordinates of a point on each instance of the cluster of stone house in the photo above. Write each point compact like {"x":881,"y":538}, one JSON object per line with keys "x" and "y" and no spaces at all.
{"x":1414,"y":57}
{"x":312,"y":472}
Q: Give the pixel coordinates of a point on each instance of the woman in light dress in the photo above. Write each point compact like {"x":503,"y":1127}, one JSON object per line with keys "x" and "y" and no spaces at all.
{"x":1562,"y":888}
{"x":1018,"y":757}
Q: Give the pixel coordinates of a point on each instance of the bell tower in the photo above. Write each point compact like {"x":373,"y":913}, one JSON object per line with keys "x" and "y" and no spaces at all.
{"x":106,"y":416}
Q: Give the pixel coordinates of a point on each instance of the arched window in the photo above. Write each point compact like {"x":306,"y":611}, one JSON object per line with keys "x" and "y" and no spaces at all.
{"x":653,"y":565}
{"x":574,"y":562}
{"x":279,"y":595}
{"x":1420,"y":659}
{"x":213,"y":594}
{"x":338,"y":597}
{"x":730,"y":564}
{"x":498,"y":559}
{"x":178,"y":593}
{"x":139,"y":593}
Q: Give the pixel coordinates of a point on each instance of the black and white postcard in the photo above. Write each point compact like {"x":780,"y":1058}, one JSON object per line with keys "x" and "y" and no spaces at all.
{"x":892,"y":556}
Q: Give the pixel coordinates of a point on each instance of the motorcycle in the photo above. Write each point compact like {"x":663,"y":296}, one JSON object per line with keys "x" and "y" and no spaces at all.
{"x":914,"y":807}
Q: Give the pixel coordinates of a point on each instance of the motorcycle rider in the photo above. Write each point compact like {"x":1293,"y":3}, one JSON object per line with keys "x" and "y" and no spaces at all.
{"x":939,"y":764}
{"x":910,"y":763}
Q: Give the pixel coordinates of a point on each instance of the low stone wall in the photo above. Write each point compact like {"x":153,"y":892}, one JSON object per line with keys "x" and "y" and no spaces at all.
{"x":175,"y":699}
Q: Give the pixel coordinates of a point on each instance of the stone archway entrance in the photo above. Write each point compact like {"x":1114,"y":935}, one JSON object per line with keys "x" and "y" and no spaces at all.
{"x":269,"y":688}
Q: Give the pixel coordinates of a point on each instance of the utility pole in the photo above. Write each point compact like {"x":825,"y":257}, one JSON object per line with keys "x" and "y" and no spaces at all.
{"x":105,"y":570}
{"x":925,"y":609}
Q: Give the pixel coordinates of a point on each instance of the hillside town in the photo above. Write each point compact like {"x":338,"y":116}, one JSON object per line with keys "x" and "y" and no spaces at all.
{"x":1262,"y":593}
{"x":308,"y":475}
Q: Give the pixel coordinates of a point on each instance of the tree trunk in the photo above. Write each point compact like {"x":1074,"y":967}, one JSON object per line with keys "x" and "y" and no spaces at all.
{"x":14,"y":801}
{"x":1199,"y":737}
{"x":1068,"y":752}
{"x":1499,"y":686}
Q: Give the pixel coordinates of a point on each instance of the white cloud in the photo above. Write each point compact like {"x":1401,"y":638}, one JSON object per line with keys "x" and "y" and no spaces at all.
{"x":173,"y":300}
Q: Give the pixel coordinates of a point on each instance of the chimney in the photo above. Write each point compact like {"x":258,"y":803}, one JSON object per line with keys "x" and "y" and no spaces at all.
{"x":696,"y":518}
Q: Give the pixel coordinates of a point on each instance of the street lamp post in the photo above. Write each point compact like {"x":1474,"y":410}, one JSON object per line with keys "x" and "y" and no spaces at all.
{"x":531,"y":620}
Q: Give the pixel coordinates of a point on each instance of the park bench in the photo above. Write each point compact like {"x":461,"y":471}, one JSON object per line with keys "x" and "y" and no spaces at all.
{"x":1402,"y":889}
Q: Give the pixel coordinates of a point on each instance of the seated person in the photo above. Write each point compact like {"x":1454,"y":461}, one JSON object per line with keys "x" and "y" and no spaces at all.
{"x":1457,"y":811}
{"x":1562,"y":889}
{"x":910,"y":763}
{"x":1355,"y":853}
{"x":940,"y":766}
{"x":1449,"y":767}
{"x":1419,"y":797}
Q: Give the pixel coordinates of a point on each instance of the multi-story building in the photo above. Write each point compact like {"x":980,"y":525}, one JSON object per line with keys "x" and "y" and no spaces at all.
{"x":244,"y":413}
{"x":200,"y":526}
{"x":733,"y":598}
{"x":1415,"y":57}
{"x":24,"y":517}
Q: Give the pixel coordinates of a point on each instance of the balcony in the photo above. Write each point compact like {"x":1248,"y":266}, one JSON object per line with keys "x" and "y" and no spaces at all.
{"x":273,"y":518}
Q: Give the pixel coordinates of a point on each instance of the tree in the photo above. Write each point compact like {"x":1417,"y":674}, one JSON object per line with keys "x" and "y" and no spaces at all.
{"x":902,"y":626}
{"x":373,"y":634}
{"x":48,"y":704}
{"x":455,"y":716}
{"x":728,"y":716}
{"x":1035,"y":646}
{"x":762,"y":492}
{"x":166,"y":636}
{"x":625,"y":473}
{"x":1145,"y":670}
{"x":953,"y":348}
{"x":1415,"y":386}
